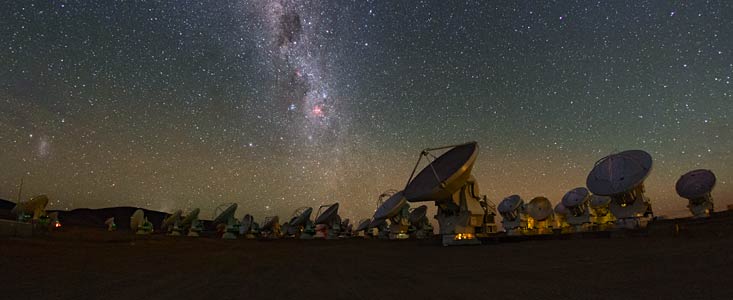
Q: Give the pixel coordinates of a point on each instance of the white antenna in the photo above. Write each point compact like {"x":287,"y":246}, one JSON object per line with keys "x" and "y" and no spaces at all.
{"x":576,"y":202}
{"x":420,"y":223}
{"x":621,"y":177}
{"x":172,"y":222}
{"x":397,"y":210}
{"x":34,"y":209}
{"x":225,"y":217}
{"x":139,"y":223}
{"x":271,"y":227}
{"x":696,"y":186}
{"x":247,"y":227}
{"x":541,"y":216}
{"x":110,"y":222}
{"x":447,"y":181}
{"x":329,"y":221}
{"x":601,"y":215}
{"x":513,"y":214}
{"x":192,"y":223}
{"x":300,"y":225}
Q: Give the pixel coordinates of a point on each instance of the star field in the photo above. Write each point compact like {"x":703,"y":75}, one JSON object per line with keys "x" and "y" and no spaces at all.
{"x":280,"y":104}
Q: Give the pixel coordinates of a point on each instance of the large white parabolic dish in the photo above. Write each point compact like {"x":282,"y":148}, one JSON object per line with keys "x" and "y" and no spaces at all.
{"x":270,"y":222}
{"x":328,"y":215}
{"x":193,"y":215}
{"x":575,"y":197}
{"x":137,"y":219}
{"x":695,"y":184}
{"x":302,"y":215}
{"x":363,"y":225}
{"x":539,"y":208}
{"x":247,"y":222}
{"x":391,"y":207}
{"x":418,"y":213}
{"x":509,"y":204}
{"x":619,"y":173}
{"x":172,"y":219}
{"x":35,"y":206}
{"x":443,"y":176}
{"x":226,"y":214}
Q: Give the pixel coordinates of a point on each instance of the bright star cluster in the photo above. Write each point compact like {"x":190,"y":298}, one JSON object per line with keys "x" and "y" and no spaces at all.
{"x":285,"y":103}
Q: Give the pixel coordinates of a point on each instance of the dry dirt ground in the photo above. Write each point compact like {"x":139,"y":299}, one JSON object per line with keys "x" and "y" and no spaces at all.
{"x":85,"y":263}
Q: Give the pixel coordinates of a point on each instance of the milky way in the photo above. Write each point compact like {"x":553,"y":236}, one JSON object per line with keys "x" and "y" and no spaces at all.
{"x":280,"y":104}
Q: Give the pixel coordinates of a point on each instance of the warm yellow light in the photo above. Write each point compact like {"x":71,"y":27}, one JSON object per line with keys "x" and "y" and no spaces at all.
{"x":463,"y":236}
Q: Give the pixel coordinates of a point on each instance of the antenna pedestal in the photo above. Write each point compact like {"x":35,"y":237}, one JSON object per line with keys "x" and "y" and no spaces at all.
{"x":538,"y":227}
{"x":195,"y":228}
{"x":602,"y":219}
{"x":517,"y":226}
{"x":145,"y":228}
{"x":308,"y":231}
{"x":175,"y":230}
{"x":631,"y":216}
{"x":463,"y":216}
{"x":701,"y":207}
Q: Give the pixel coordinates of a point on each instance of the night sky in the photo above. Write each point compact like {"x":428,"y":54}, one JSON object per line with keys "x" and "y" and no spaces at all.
{"x":280,"y":104}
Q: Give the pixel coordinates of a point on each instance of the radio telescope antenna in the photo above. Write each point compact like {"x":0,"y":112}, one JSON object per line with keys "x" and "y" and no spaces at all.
{"x":139,"y":223}
{"x":541,"y":215}
{"x":329,"y":220}
{"x":172,"y":222}
{"x":419,"y":222}
{"x":34,"y":209}
{"x":621,"y":177}
{"x":513,"y":215}
{"x":301,"y":225}
{"x":346,"y":228}
{"x":381,"y":227}
{"x":361,"y":229}
{"x":249,"y":228}
{"x":271,"y":227}
{"x":397,"y":211}
{"x":601,"y":215}
{"x":447,"y":181}
{"x":695,"y":186}
{"x":110,"y":222}
{"x":192,"y":223}
{"x":576,"y":201}
{"x":225,"y":216}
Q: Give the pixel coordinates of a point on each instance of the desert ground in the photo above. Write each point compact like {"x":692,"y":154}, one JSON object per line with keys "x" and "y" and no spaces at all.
{"x":670,"y":261}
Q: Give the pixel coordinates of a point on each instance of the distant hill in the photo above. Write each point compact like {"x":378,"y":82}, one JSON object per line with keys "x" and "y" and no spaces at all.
{"x":95,"y":217}
{"x":5,"y":204}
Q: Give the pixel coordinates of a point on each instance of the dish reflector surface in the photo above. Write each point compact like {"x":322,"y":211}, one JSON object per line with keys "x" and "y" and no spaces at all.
{"x":575,"y":197}
{"x":226,"y":214}
{"x":137,"y":219}
{"x":598,"y":201}
{"x":247,"y":221}
{"x":391,"y":207}
{"x":418,"y":213}
{"x":193,"y":215}
{"x":363,"y":224}
{"x":172,"y":218}
{"x":270,"y":222}
{"x":539,"y":208}
{"x":619,"y":173}
{"x":328,"y":215}
{"x":302,"y":215}
{"x":453,"y":169}
{"x":509,"y":204}
{"x":695,"y":184}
